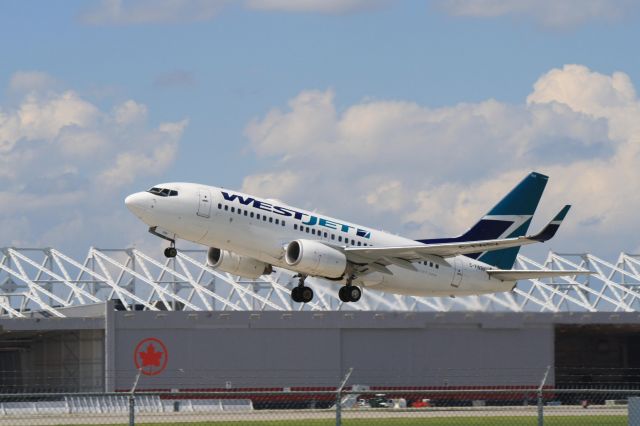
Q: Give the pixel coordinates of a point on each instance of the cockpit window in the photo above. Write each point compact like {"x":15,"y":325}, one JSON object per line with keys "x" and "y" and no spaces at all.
{"x":163,"y":192}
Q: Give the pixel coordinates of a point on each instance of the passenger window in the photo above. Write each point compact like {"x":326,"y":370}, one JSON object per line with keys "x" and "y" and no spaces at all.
{"x":219,"y":206}
{"x":313,"y":231}
{"x":233,"y":209}
{"x":264,"y":217}
{"x":333,"y":236}
{"x":270,"y":220}
{"x":359,"y":243}
{"x":245,"y":213}
{"x":437,"y":266}
{"x":239,"y":211}
{"x":258,"y":216}
{"x":307,"y":229}
{"x":353,"y":243}
{"x":277,"y":221}
{"x":283,"y":223}
{"x":295,"y":226}
{"x":325,"y":235}
{"x":340,"y":238}
{"x":226,"y":208}
{"x":251,"y":214}
{"x":431,"y":264}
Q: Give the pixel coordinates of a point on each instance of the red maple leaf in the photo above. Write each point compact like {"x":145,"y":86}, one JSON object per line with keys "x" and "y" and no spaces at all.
{"x":150,"y":357}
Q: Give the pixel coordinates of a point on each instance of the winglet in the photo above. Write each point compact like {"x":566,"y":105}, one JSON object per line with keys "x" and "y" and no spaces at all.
{"x":552,"y":227}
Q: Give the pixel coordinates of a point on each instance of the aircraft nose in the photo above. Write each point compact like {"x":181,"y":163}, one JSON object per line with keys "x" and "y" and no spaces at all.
{"x":138,"y":203}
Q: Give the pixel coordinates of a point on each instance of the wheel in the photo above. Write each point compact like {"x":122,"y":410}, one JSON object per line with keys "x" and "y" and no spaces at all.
{"x":306,"y":294}
{"x":354,"y":293}
{"x":342,"y":294}
{"x":295,"y":295}
{"x":170,"y":252}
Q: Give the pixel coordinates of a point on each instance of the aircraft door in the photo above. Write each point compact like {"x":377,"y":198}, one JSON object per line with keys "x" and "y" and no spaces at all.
{"x":204,"y":203}
{"x":457,"y":273}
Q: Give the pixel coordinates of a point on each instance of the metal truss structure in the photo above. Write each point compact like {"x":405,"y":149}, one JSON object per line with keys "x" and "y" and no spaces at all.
{"x":46,"y":281}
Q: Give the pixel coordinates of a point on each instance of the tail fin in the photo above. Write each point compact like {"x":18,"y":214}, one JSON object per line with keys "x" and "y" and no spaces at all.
{"x":509,"y":218}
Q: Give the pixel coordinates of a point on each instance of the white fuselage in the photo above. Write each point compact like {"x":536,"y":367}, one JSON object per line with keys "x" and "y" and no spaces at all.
{"x":261,"y":229}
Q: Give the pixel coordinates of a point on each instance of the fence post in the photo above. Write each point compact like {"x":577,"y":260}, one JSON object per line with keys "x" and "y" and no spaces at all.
{"x":339,"y":397}
{"x":132,"y":409}
{"x":541,"y":398}
{"x":132,"y":400}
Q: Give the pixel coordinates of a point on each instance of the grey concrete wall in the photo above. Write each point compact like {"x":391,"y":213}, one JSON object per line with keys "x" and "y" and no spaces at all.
{"x":271,"y":349}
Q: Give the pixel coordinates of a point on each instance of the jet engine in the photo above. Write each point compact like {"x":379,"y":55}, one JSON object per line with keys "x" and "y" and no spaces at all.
{"x":314,"y":258}
{"x":235,"y":264}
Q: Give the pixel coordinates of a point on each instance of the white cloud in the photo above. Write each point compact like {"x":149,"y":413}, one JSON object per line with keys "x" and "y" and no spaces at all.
{"x":65,"y":164}
{"x":130,"y":112}
{"x":155,"y":152}
{"x":135,"y":12}
{"x":26,"y":81}
{"x":550,"y":13}
{"x":334,"y":7}
{"x":431,"y":172}
{"x":129,"y":12}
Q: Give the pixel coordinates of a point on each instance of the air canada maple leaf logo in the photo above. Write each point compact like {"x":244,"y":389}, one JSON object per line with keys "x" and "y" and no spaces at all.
{"x":151,"y":356}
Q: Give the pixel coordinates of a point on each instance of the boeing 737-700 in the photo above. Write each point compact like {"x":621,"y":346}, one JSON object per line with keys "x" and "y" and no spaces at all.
{"x":248,"y":236}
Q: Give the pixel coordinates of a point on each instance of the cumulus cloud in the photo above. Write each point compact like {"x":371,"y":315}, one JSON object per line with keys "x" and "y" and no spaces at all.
{"x":430,"y":172}
{"x":550,"y":13}
{"x":65,"y":164}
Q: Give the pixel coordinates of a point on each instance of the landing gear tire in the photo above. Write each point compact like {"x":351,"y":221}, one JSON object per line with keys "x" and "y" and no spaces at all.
{"x":295,"y":295}
{"x":342,"y":294}
{"x":306,"y":294}
{"x":302,"y":294}
{"x":349,"y":293}
{"x":170,"y":252}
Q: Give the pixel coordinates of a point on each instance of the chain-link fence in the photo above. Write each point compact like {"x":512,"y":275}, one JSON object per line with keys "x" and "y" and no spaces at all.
{"x":320,"y":407}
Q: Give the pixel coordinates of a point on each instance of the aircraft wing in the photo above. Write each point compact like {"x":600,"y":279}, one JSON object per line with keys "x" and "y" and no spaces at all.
{"x":403,"y":255}
{"x":515,"y":275}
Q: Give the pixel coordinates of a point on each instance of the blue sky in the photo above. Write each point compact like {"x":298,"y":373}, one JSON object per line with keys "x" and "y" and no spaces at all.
{"x":221,"y":72}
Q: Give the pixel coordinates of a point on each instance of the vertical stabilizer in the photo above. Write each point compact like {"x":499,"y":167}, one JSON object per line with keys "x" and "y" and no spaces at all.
{"x":509,"y":218}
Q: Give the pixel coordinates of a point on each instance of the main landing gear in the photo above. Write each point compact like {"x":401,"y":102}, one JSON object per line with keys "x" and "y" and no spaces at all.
{"x":302,"y":293}
{"x":349,"y":292}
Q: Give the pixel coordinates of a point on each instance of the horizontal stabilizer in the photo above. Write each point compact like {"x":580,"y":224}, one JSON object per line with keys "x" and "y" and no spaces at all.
{"x":403,"y":254}
{"x":514,"y":275}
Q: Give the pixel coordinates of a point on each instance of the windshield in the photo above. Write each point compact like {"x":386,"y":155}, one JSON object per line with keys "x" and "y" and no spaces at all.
{"x":163,"y":192}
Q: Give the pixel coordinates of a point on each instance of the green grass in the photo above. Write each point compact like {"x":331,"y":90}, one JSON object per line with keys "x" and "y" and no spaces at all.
{"x":446,"y":421}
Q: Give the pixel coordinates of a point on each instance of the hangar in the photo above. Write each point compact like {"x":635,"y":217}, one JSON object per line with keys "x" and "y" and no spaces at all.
{"x":92,"y":325}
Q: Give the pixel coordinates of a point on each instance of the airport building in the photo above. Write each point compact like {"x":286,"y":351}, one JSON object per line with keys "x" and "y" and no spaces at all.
{"x":96,"y":324}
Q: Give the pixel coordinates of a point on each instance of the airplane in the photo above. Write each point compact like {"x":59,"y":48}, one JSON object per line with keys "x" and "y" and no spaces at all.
{"x":248,"y":236}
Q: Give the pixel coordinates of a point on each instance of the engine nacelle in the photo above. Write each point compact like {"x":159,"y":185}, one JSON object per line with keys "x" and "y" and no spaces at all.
{"x":246,"y":267}
{"x":314,"y":258}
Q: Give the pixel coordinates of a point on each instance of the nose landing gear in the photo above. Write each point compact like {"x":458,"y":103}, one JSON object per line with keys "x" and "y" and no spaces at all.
{"x":170,"y":252}
{"x":302,"y":293}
